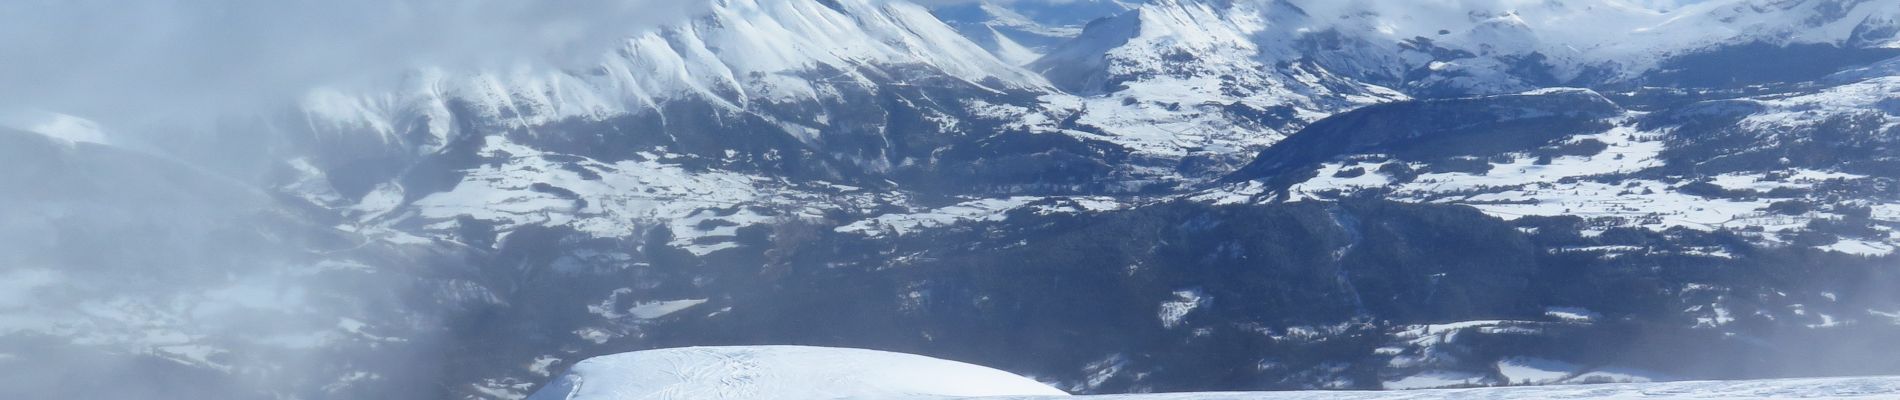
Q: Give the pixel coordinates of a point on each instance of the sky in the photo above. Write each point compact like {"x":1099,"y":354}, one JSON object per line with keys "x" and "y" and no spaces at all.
{"x":85,"y":226}
{"x":127,"y":61}
{"x":120,"y":59}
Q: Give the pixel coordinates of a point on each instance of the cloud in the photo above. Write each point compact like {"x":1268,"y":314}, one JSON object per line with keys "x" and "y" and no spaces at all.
{"x":117,"y":59}
{"x":133,"y":255}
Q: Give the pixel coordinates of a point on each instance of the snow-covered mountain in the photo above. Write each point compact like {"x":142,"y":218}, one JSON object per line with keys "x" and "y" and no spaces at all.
{"x":1441,"y":48}
{"x":1109,"y":196}
{"x":120,"y":265}
{"x":805,"y":74}
{"x":1022,"y":31}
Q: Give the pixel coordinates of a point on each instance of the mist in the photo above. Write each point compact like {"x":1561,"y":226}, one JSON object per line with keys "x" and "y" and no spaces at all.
{"x":126,"y":62}
{"x":135,"y":267}
{"x":174,"y":226}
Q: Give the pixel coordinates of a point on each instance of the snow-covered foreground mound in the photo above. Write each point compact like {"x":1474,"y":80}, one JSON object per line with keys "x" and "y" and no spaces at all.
{"x":781,"y":372}
{"x":1817,"y":388}
{"x":796,"y":372}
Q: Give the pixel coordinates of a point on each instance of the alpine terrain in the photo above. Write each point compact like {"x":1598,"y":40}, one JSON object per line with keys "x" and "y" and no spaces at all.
{"x":1103,"y":196}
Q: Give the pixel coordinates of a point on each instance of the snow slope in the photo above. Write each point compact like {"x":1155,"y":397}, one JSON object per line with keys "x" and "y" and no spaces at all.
{"x":1614,"y":40}
{"x":1189,"y":88}
{"x":1021,"y":32}
{"x":1821,"y":388}
{"x":1634,"y":176}
{"x":797,"y":372}
{"x":1262,"y":48}
{"x":742,"y":54}
{"x":781,"y":372}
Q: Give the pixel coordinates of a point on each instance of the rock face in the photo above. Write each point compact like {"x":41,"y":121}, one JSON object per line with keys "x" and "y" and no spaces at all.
{"x":1111,"y":196}
{"x":781,"y":372}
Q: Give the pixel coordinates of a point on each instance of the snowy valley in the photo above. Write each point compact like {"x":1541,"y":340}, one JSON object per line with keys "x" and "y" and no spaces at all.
{"x":1106,"y":196}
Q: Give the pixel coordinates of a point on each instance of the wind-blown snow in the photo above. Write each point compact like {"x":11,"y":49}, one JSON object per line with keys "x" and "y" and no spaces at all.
{"x":1534,"y":371}
{"x":1434,"y":379}
{"x":66,"y":128}
{"x":1572,"y":314}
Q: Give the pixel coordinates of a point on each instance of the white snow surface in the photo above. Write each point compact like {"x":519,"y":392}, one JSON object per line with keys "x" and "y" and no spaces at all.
{"x":1623,"y":36}
{"x":1434,"y":379}
{"x":798,"y":372}
{"x":663,"y":308}
{"x":1537,"y":371}
{"x":991,"y":209}
{"x":1815,"y":388}
{"x":742,"y":53}
{"x":1185,"y":301}
{"x":781,"y":372}
{"x":622,"y":197}
{"x":1176,"y":65}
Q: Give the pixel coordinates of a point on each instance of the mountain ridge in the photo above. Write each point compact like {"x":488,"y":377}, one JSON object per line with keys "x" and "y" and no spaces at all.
{"x":1177,"y":195}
